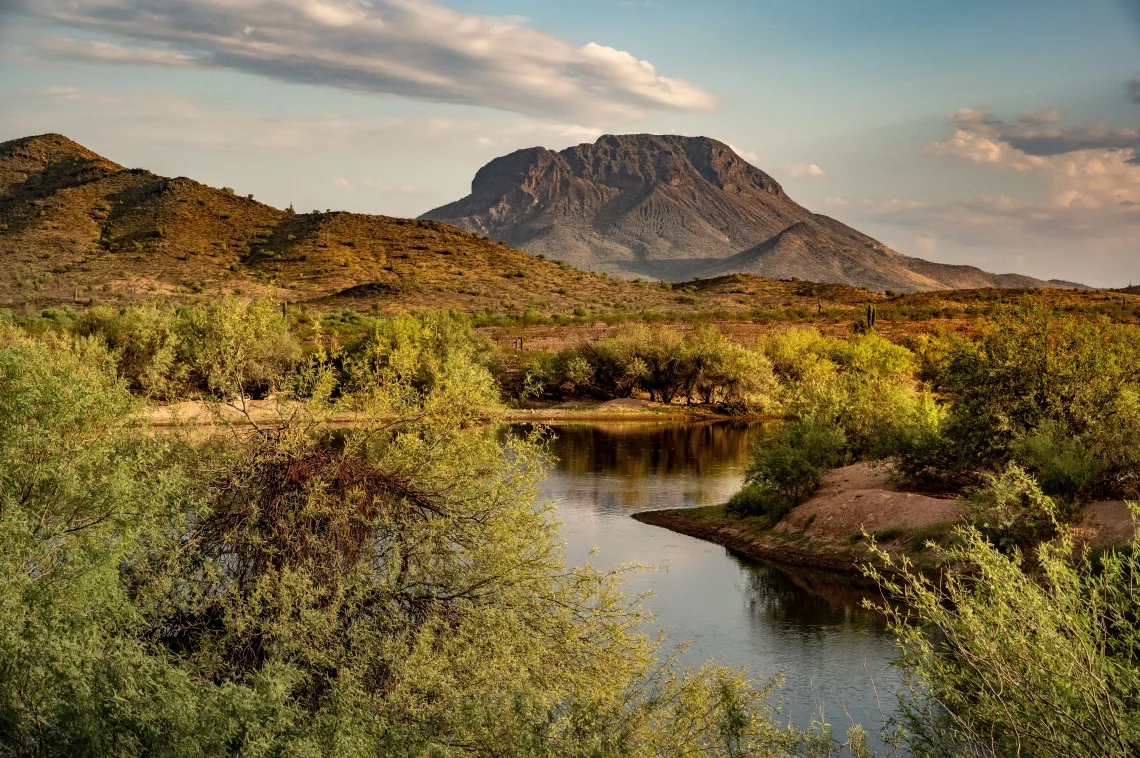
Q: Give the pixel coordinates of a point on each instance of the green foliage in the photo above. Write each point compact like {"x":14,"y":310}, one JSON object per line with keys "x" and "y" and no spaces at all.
{"x":1050,"y":392}
{"x":145,"y":342}
{"x":864,"y":385}
{"x":293,"y":589}
{"x":436,"y":355}
{"x":236,"y":347}
{"x":701,"y":366}
{"x":787,"y":469}
{"x":757,"y":500}
{"x":81,"y":492}
{"x":1064,"y":466}
{"x":846,"y":398}
{"x":1010,"y":509}
{"x":1005,"y":663}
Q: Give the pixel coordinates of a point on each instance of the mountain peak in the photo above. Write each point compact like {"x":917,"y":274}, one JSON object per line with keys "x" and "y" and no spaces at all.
{"x":669,"y":206}
{"x":48,"y":148}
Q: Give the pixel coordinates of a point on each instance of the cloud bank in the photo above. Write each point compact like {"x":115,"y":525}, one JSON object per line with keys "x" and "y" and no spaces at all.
{"x":409,"y":48}
{"x":1084,"y":212}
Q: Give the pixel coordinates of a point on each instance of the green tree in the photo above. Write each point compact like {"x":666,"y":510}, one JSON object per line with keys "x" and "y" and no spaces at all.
{"x":301,"y":590}
{"x":1031,"y":381}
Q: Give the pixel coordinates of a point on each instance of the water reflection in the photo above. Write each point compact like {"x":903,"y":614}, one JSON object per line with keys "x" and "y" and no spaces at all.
{"x":639,"y":450}
{"x":810,"y":625}
{"x":807,"y":599}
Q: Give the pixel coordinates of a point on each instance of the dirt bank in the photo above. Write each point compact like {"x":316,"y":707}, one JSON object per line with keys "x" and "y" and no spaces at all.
{"x":266,"y":412}
{"x":826,"y":531}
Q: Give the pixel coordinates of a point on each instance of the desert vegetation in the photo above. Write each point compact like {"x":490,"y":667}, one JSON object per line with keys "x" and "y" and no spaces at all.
{"x":295,"y":588}
{"x":1025,"y":645}
{"x":289,"y":586}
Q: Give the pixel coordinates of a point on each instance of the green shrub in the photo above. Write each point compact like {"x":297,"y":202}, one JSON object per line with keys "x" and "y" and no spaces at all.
{"x":758,"y":501}
{"x":1011,"y":510}
{"x":701,"y":366}
{"x":145,"y":343}
{"x":236,"y":347}
{"x":1002,"y":661}
{"x":787,"y":469}
{"x":1032,"y":381}
{"x":1064,"y":466}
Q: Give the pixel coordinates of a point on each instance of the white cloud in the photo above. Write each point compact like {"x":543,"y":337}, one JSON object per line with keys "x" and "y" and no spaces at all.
{"x":1037,"y":133}
{"x":748,"y":155}
{"x":804,"y":171}
{"x":411,"y":48}
{"x":1082,"y":176}
{"x":161,"y":118}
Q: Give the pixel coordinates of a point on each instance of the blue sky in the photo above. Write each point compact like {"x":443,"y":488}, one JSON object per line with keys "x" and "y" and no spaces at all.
{"x":1000,"y":133}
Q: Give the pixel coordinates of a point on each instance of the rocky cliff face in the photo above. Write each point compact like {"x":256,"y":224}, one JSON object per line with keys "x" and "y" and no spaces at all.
{"x":671,"y":207}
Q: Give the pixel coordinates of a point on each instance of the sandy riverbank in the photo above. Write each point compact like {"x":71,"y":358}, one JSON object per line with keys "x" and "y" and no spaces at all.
{"x":826,"y":531}
{"x":269,"y":411}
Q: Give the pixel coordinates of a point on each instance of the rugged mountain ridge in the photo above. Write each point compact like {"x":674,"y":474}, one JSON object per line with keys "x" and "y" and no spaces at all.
{"x":77,"y":229}
{"x":672,"y":207}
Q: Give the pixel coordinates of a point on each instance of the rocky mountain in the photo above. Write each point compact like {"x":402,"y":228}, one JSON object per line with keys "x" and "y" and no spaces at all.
{"x":672,"y":207}
{"x":77,"y":229}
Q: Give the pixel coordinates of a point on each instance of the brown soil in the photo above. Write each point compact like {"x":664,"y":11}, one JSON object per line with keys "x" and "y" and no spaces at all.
{"x":864,"y":497}
{"x":827,"y":531}
{"x":1105,"y":525}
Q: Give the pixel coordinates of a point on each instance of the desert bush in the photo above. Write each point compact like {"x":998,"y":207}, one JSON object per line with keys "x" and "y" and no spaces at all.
{"x":389,"y":590}
{"x":716,"y":370}
{"x":668,"y":365}
{"x":864,"y":385}
{"x":1037,"y":388}
{"x":787,"y":469}
{"x":1000,"y":661}
{"x":1011,"y":510}
{"x":82,"y":492}
{"x":236,"y":347}
{"x":431,"y":353}
{"x":145,"y":342}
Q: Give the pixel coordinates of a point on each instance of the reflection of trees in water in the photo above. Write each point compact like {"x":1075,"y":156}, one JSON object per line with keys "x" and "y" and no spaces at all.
{"x":640,"y":450}
{"x":809,"y":599}
{"x":624,"y":493}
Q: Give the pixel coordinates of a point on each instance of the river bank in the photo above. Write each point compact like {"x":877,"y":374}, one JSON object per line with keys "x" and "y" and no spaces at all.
{"x":269,"y":410}
{"x":828,"y":531}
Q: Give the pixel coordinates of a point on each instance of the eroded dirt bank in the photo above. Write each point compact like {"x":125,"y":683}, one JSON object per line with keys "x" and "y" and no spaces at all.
{"x":827,"y":531}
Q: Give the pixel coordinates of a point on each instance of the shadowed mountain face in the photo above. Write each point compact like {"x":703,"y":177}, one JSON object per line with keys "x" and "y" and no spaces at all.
{"x":672,"y":207}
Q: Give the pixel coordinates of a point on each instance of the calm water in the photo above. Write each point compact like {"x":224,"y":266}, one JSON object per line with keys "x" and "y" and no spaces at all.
{"x":809,"y":625}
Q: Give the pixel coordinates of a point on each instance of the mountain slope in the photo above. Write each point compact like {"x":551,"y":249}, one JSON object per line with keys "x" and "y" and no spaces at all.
{"x":672,"y":207}
{"x":76,"y":228}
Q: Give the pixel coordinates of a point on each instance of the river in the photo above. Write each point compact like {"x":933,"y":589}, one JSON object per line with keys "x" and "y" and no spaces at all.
{"x":809,"y":625}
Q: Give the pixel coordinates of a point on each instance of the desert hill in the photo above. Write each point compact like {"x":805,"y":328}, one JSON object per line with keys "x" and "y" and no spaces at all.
{"x":672,"y":207}
{"x":77,"y":228}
